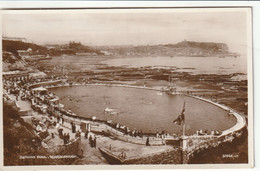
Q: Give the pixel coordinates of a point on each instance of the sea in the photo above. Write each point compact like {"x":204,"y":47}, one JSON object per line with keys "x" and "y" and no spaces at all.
{"x":194,"y":65}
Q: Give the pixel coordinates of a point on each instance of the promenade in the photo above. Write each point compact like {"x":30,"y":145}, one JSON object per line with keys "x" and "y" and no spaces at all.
{"x":115,"y":141}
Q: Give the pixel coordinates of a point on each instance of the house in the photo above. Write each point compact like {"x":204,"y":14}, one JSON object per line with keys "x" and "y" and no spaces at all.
{"x":25,"y":52}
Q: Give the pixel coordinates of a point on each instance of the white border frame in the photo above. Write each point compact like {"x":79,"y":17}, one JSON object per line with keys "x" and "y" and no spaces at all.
{"x":105,"y":4}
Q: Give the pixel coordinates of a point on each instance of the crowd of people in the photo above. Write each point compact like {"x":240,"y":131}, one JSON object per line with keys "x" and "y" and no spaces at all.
{"x":41,"y":101}
{"x":127,"y":131}
{"x":65,"y":137}
{"x":201,"y":132}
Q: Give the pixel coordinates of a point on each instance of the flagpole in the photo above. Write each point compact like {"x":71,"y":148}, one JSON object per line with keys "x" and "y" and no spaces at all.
{"x":183,"y":129}
{"x":184,"y":140}
{"x":183,"y":125}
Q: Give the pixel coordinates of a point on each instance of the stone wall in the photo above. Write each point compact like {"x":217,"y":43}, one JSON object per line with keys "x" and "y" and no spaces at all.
{"x":173,"y":156}
{"x":70,"y":148}
{"x":169,"y":157}
{"x":197,"y":144}
{"x":66,"y":153}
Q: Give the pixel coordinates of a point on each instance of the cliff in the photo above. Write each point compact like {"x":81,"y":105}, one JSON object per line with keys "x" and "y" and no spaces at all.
{"x":184,"y":48}
{"x":208,"y":46}
{"x":22,"y":145}
{"x":19,"y":139}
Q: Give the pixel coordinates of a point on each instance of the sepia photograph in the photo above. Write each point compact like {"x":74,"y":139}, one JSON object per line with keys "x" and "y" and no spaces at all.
{"x":139,"y":86}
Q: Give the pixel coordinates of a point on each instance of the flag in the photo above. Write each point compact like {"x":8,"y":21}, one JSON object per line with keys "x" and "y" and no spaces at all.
{"x":181,"y":118}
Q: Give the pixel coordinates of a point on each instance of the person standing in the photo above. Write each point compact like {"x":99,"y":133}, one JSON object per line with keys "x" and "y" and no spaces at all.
{"x":68,"y":137}
{"x":73,"y":128}
{"x":86,"y":135}
{"x":64,"y":138}
{"x":147,"y":142}
{"x":95,"y":142}
{"x":90,"y":141}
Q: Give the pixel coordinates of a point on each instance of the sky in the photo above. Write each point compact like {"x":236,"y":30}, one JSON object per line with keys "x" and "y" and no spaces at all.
{"x":130,"y":27}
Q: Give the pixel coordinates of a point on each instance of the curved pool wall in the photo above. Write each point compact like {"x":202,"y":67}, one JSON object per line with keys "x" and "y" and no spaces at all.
{"x":240,"y":120}
{"x":144,"y":109}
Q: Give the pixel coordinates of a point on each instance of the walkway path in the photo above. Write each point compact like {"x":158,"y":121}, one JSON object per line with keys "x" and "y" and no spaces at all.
{"x":24,"y":105}
{"x":90,"y":155}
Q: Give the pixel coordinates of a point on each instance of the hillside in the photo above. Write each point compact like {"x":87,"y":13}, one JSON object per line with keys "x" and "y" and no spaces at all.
{"x":20,"y":139}
{"x":14,"y":46}
{"x":208,"y":46}
{"x":184,"y":48}
{"x":11,"y":56}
